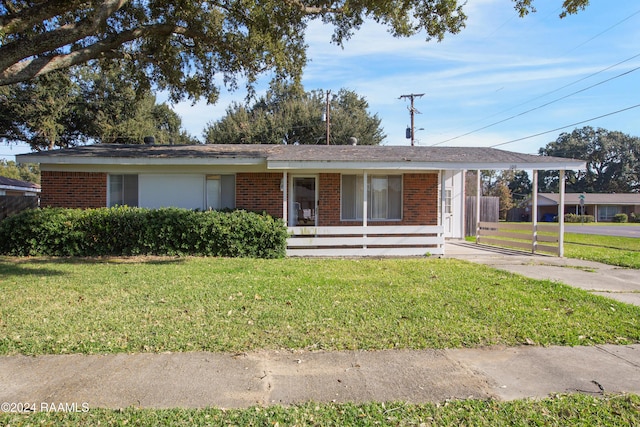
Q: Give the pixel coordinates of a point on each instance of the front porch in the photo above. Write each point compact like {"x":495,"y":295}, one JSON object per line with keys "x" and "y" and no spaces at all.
{"x":366,"y":241}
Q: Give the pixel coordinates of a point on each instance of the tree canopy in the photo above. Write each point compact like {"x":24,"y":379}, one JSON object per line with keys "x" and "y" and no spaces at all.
{"x":190,"y":47}
{"x":84,"y":104}
{"x":288,"y":115}
{"x":613,"y":161}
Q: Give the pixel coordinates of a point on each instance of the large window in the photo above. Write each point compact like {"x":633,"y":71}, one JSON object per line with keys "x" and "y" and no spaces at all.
{"x":123,"y":190}
{"x":606,"y":213}
{"x":221,"y":192}
{"x":384,"y":197}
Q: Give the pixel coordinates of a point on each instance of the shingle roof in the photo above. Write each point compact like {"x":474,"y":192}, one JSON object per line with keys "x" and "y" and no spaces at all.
{"x":595,"y":198}
{"x":306,"y":154}
{"x":10,"y":182}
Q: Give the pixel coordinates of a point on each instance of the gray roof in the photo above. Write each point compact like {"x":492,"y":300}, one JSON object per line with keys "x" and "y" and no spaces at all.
{"x":16,"y":184}
{"x":592,"y":198}
{"x":299,"y":156}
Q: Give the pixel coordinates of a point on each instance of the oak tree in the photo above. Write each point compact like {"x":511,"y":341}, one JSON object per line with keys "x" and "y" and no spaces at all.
{"x":191,"y":47}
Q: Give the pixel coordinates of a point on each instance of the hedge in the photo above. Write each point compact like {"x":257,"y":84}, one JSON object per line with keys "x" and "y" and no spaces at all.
{"x":139,"y":231}
{"x":578,"y":218}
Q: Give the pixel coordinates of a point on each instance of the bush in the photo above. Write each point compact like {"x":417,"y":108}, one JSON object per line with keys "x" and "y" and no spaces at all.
{"x":139,"y":231}
{"x":573,"y":218}
{"x":621,"y":217}
{"x":634,"y":217}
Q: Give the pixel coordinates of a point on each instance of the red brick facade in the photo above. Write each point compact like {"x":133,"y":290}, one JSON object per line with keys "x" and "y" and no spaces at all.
{"x":73,"y":189}
{"x":259,"y":192}
{"x":419,"y":201}
{"x":256,"y":192}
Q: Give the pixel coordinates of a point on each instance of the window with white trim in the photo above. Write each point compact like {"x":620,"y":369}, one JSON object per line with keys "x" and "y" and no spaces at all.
{"x":123,"y":190}
{"x":606,"y":213}
{"x":384,"y":197}
{"x":221,"y":192}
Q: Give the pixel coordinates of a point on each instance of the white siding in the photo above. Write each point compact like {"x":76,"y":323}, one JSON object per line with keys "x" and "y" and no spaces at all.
{"x":171,"y":190}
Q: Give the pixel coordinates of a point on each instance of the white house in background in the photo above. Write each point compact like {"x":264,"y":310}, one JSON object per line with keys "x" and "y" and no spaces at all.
{"x":339,"y":199}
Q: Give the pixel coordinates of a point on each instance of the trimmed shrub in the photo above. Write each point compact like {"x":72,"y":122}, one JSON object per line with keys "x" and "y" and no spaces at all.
{"x":573,"y":218}
{"x":139,"y":231}
{"x":621,"y":217}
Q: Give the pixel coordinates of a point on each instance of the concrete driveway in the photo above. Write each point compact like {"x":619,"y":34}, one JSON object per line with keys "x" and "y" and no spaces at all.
{"x":621,"y":284}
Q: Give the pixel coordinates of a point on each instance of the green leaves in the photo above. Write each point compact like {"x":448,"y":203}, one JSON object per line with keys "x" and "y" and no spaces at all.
{"x":137,"y":231}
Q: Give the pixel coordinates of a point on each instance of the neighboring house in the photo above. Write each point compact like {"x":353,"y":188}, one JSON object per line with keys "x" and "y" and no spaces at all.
{"x":603,"y":207}
{"x":360,"y":195}
{"x":15,"y":187}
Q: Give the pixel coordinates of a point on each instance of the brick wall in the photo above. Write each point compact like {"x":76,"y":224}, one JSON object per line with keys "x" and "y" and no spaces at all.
{"x":419,"y":204}
{"x":259,"y":192}
{"x":329,"y":200}
{"x":420,"y":199}
{"x":73,"y":189}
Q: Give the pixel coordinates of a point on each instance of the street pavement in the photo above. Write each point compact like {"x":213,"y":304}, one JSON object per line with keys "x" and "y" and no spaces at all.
{"x":632,"y":230}
{"x":225,"y":380}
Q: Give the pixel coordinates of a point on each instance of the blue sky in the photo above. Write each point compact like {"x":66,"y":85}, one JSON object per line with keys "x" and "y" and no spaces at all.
{"x":502,"y":79}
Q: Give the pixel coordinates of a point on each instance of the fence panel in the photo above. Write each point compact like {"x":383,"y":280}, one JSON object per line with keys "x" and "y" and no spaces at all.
{"x":489,"y":212}
{"x":10,"y":205}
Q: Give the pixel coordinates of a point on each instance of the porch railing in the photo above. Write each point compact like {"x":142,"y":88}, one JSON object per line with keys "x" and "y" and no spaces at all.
{"x":544,"y":238}
{"x":366,"y":241}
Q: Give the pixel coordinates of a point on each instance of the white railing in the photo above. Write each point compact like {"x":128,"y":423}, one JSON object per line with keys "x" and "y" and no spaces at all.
{"x":544,"y":238}
{"x":366,"y":241}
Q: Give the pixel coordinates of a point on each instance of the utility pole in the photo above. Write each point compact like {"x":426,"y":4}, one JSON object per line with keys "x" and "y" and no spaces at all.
{"x":328,"y":117}
{"x":412,"y":112}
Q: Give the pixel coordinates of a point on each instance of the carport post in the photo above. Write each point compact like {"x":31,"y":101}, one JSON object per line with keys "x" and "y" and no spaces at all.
{"x":534,"y":212}
{"x":285,"y":205}
{"x":561,"y":216}
{"x":478,"y":195}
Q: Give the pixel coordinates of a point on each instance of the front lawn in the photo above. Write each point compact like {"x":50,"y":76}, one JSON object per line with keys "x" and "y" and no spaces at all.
{"x":620,"y":251}
{"x":55,"y":306}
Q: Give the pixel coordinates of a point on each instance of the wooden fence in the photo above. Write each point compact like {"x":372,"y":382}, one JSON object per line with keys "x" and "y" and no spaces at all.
{"x":489,"y":212}
{"x":544,"y":238}
{"x":10,"y":205}
{"x":366,"y":241}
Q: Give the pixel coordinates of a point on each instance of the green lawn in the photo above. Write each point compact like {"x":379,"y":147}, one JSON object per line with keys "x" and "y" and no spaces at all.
{"x":563,"y":410}
{"x":620,"y":251}
{"x":187,"y":304}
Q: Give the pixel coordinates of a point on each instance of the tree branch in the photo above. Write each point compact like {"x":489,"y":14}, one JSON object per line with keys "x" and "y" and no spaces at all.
{"x":26,"y":70}
{"x":17,"y":50}
{"x":22,"y":20}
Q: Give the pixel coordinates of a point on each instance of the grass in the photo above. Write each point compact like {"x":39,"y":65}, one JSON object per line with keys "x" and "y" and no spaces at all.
{"x":620,"y":251}
{"x":561,"y":410}
{"x":612,"y":250}
{"x":57,"y":306}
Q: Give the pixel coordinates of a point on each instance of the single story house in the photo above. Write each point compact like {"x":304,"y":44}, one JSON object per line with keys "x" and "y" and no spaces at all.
{"x":603,"y":207}
{"x":374,"y":200}
{"x":16,"y":187}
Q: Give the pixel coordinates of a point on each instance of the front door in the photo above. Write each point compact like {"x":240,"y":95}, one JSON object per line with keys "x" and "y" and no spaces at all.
{"x":303,"y":201}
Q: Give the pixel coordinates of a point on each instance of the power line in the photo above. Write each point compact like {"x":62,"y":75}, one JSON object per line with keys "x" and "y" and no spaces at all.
{"x":564,"y":127}
{"x":541,"y":106}
{"x":603,"y":31}
{"x":558,"y":89}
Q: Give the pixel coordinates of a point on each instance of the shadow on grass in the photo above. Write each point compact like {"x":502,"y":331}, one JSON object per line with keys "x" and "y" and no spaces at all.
{"x":22,"y":266}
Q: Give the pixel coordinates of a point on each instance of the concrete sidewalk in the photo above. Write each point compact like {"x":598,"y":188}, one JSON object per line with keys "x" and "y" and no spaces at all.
{"x":196,"y":380}
{"x":621,"y":284}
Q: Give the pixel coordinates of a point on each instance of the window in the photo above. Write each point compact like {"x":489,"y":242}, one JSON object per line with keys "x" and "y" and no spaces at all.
{"x":384,"y":197}
{"x":221,"y":192}
{"x":447,"y":201}
{"x":606,"y":213}
{"x":123,"y":190}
